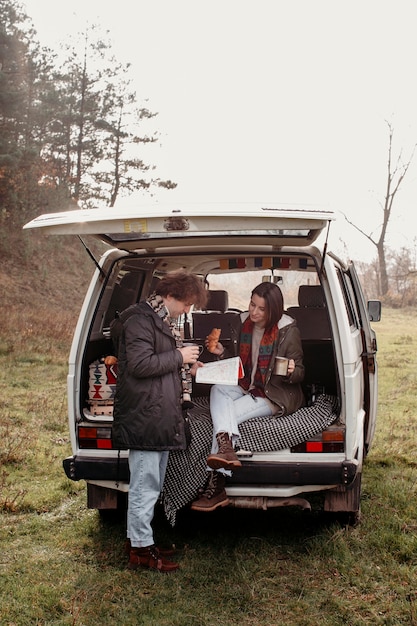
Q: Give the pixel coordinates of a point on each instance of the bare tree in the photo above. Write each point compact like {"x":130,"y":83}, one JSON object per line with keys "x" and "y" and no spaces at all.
{"x":403,"y":271}
{"x":395,"y":176}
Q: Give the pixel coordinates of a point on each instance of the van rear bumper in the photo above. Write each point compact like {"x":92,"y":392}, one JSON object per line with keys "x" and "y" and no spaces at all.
{"x":86,"y":468}
{"x":295,"y":473}
{"x":251,"y":473}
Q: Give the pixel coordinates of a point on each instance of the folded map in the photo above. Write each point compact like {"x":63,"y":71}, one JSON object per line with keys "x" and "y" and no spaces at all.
{"x":225,"y":372}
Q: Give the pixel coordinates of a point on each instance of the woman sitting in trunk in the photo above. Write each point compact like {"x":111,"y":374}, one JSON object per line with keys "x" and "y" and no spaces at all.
{"x":266,"y":332}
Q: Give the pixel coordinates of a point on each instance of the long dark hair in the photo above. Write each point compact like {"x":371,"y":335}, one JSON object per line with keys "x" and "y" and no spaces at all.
{"x":274,"y":303}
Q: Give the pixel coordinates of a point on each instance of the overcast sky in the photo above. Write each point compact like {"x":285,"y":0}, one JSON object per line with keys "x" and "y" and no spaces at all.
{"x":279,"y":101}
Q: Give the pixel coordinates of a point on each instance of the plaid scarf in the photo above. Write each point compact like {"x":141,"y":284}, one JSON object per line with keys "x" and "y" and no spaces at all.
{"x":157,"y":304}
{"x":266,"y":350}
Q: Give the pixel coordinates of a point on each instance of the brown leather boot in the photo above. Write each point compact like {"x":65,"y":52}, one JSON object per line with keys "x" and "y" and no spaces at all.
{"x":151,"y":558}
{"x":226,"y":456}
{"x":213,"y":496}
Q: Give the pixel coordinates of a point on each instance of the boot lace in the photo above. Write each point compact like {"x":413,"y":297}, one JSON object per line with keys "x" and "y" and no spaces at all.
{"x":211,"y":487}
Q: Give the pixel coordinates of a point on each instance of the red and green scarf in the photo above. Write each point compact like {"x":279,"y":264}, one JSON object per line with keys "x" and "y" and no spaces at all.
{"x":266,"y":349}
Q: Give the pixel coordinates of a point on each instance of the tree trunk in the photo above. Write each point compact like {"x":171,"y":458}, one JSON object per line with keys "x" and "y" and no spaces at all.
{"x":383,"y":274}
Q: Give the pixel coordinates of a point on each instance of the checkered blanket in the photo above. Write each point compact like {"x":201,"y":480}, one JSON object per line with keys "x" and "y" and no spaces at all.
{"x":187,"y":469}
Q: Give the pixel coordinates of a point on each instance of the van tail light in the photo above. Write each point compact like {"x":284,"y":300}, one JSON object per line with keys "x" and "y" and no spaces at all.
{"x":331,"y":440}
{"x":95,"y":437}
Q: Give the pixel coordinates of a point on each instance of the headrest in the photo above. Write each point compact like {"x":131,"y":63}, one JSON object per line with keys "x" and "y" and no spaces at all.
{"x":217,"y":300}
{"x":311,"y":296}
{"x":129,"y":281}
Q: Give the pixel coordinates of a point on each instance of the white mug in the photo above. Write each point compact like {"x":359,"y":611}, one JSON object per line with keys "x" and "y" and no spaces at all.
{"x":201,"y":348}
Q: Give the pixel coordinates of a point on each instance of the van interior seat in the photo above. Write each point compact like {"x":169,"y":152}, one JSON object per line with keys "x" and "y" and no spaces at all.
{"x":313,"y":322}
{"x":217,"y":300}
{"x":311,"y":315}
{"x":216,"y":315}
{"x":125,"y":293}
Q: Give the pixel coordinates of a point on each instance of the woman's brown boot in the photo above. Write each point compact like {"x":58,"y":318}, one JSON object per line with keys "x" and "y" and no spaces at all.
{"x":226,"y":456}
{"x":214,"y":494}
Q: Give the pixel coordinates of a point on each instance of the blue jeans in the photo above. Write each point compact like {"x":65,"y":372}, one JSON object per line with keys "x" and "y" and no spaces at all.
{"x":231,"y":406}
{"x":147,"y":473}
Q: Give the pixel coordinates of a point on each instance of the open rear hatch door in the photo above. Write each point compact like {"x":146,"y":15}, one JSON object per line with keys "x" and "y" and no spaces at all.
{"x":151,"y":226}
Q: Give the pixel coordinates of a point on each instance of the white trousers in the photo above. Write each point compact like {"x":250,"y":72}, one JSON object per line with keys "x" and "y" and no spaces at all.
{"x":231,"y":406}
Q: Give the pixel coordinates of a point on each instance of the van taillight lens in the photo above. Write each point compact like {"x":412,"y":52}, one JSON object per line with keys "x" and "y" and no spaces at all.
{"x":331,"y":440}
{"x":314,"y":446}
{"x":94,"y":437}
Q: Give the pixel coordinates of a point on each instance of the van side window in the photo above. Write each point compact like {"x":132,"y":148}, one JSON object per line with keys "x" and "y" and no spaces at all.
{"x":349,"y":299}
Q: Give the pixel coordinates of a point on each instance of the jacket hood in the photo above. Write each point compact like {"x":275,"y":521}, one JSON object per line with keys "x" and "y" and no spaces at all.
{"x":286,"y":320}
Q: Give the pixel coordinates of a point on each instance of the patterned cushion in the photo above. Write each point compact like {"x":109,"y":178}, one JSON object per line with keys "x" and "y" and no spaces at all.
{"x":102,"y":381}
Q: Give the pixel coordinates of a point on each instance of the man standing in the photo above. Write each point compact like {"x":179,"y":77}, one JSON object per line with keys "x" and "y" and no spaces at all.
{"x":154,"y":376}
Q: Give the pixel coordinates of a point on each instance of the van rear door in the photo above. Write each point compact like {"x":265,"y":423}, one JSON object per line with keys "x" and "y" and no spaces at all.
{"x":154,"y":226}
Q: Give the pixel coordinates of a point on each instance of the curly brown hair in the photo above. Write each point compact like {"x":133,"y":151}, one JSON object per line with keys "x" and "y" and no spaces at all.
{"x":183,"y":286}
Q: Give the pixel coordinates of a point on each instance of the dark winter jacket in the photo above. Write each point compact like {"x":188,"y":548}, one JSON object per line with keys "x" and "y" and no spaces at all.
{"x":286,"y":391}
{"x":147,"y":407}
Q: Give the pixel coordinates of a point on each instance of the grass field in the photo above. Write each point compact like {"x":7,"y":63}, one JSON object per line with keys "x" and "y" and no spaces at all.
{"x":62,"y":565}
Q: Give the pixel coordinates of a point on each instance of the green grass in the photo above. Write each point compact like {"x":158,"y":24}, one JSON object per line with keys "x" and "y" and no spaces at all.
{"x":62,"y":565}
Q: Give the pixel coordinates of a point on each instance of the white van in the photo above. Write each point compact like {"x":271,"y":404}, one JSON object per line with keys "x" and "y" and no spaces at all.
{"x":313,"y":456}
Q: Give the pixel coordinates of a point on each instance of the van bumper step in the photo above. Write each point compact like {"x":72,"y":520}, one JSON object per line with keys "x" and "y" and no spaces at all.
{"x":85,"y":468}
{"x":261,"y":473}
{"x":295,"y":473}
